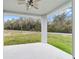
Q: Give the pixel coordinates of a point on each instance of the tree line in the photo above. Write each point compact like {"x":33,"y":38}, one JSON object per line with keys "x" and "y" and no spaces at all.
{"x":60,"y":23}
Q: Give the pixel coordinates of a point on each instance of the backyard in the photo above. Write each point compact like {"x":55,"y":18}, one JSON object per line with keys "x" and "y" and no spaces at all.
{"x":61,"y":41}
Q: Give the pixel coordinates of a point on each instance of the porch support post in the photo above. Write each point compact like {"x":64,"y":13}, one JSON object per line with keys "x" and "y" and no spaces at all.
{"x":44,"y":29}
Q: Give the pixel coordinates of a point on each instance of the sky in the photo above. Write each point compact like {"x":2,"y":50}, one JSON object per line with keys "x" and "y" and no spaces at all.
{"x":69,"y":12}
{"x":50,"y":17}
{"x":10,"y":17}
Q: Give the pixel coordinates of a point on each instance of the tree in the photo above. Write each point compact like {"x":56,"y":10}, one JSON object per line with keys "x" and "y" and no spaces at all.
{"x":37,"y":26}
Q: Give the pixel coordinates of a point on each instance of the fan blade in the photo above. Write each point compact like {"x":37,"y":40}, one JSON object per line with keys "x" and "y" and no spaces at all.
{"x":35,"y":7}
{"x":27,"y":1}
{"x":36,"y":4}
{"x":21,"y":1}
{"x":36,"y":0}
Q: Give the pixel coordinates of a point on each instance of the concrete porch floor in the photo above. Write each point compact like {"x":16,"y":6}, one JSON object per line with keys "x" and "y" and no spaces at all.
{"x":34,"y":51}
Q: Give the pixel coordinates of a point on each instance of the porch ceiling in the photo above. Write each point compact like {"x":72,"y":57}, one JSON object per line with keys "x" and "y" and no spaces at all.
{"x":45,"y":7}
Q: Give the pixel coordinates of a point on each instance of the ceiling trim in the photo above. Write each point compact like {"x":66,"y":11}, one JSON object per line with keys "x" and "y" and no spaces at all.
{"x":19,"y":13}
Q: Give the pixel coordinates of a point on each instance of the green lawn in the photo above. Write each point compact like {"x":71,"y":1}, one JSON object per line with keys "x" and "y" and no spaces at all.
{"x":63,"y":42}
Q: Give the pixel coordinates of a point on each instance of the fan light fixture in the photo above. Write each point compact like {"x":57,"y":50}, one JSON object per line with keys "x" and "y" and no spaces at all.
{"x":29,"y":3}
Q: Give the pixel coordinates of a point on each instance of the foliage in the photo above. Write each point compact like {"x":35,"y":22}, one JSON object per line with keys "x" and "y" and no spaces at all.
{"x":61,"y":23}
{"x":22,"y":24}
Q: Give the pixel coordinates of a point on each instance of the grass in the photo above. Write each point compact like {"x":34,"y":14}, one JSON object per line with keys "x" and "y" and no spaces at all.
{"x":63,"y":42}
{"x":22,"y":39}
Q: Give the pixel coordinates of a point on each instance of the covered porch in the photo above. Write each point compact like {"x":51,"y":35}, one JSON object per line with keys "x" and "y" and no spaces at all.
{"x":40,"y":50}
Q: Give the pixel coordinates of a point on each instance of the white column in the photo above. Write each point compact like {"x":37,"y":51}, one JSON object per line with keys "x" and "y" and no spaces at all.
{"x":44,"y":29}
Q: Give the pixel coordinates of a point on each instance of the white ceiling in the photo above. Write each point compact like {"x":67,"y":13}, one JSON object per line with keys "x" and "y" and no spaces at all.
{"x":45,"y":6}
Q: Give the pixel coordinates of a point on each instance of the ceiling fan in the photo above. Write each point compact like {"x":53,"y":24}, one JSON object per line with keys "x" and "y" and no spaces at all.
{"x":29,"y":3}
